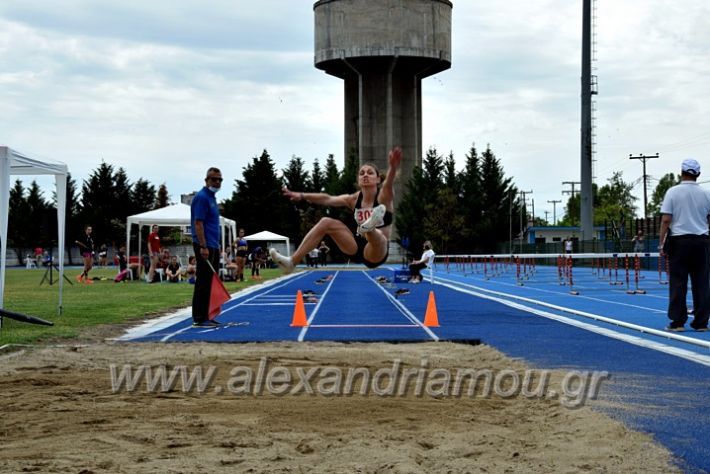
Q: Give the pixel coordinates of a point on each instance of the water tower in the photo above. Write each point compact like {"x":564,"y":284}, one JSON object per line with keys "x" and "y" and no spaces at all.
{"x":382,"y":49}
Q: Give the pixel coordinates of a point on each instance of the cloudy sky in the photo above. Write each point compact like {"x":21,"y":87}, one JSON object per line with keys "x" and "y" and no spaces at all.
{"x":165,"y":89}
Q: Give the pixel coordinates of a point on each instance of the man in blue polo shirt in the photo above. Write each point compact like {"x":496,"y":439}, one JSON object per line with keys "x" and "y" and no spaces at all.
{"x":684,"y":231}
{"x":204,"y":220}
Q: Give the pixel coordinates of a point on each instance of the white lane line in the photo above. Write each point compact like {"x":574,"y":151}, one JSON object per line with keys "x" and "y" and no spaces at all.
{"x":275,"y":284}
{"x":364,"y":326}
{"x":638,"y":341}
{"x":403,"y":309}
{"x":304,"y":330}
{"x":616,"y":322}
{"x":561,"y":293}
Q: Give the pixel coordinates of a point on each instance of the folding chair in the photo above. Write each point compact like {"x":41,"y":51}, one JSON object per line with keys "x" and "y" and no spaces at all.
{"x":430,"y":268}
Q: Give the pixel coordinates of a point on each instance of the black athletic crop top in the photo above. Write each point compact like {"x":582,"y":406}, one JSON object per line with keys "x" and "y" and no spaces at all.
{"x":387,"y":219}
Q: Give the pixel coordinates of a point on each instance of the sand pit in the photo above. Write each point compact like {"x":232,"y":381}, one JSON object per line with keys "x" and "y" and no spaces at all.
{"x":59,"y":413}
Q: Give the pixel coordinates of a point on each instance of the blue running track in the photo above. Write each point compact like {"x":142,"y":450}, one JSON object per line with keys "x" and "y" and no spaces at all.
{"x":659,"y":379}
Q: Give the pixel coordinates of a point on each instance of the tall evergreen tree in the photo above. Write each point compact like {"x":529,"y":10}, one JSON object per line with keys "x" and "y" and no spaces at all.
{"x":433,"y":166}
{"x":297,"y":220}
{"x":18,"y":218}
{"x":163,"y":198}
{"x":122,"y":194}
{"x":470,"y":203}
{"x":42,"y":224}
{"x":317,"y":178}
{"x":498,"y":204}
{"x":441,"y":227}
{"x":348,"y":178}
{"x":331,"y":180}
{"x":451,"y":177}
{"x":410,"y":212}
{"x":104,"y":198}
{"x":256,"y":202}
{"x":142,"y":196}
{"x":295,"y":175}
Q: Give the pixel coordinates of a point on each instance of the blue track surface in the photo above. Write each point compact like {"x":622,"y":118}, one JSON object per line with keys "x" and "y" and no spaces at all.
{"x":660,"y":379}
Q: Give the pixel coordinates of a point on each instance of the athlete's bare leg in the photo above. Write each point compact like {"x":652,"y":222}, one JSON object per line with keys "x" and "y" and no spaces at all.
{"x":376,"y":247}
{"x":339,"y":232}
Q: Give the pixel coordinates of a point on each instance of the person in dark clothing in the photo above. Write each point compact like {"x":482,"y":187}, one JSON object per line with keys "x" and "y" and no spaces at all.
{"x":684,"y":238}
{"x":257,"y":259}
{"x":173,"y":270}
{"x":204,"y":217}
{"x":323,"y":250}
{"x":87,"y":253}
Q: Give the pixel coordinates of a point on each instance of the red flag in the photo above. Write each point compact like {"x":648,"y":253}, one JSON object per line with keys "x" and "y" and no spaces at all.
{"x":218,"y":296}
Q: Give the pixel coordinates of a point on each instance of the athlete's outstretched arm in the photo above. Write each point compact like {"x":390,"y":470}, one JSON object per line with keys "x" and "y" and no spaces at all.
{"x":318,"y":198}
{"x":393,"y":160}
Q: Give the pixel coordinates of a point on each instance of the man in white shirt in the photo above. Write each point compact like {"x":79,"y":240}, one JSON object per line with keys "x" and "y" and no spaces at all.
{"x":684,"y":238}
{"x":417,"y":266}
{"x":568,"y":245}
{"x":313,"y":257}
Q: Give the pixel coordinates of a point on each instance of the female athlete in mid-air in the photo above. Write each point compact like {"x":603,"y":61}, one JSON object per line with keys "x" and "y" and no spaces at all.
{"x":373,"y":211}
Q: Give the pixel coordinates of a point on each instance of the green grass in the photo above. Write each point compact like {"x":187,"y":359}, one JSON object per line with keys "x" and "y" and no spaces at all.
{"x":88,"y":306}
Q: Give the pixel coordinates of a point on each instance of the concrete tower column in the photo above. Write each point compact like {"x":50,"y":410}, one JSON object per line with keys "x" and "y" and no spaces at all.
{"x":382,"y":49}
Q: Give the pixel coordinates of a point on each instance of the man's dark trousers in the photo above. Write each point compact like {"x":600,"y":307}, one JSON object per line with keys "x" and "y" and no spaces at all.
{"x":203,"y":284}
{"x":689,"y":255}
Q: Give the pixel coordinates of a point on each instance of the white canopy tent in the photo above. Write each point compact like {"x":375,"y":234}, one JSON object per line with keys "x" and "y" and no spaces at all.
{"x":177,"y":215}
{"x":15,"y":163}
{"x":266,"y":236}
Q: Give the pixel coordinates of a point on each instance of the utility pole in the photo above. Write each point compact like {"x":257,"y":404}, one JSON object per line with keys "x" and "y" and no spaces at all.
{"x":573,"y":192}
{"x":546,"y":214}
{"x":643,"y":159}
{"x":588,"y":84}
{"x":554,"y":210}
{"x":522,"y":211}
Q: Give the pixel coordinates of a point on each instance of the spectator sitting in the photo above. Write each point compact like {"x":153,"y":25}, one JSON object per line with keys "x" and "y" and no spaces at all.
{"x":417,"y":266}
{"x":232,"y":267}
{"x":172,"y":271}
{"x":122,"y":261}
{"x":103,"y":256}
{"x":191,"y":270}
{"x":164,"y":258}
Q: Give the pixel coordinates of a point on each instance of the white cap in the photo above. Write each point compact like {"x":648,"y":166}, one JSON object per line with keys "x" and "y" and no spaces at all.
{"x":690,"y":166}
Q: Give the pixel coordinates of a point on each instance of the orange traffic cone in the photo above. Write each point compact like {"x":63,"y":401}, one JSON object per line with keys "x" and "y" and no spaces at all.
{"x":299,"y":312}
{"x":431,"y":318}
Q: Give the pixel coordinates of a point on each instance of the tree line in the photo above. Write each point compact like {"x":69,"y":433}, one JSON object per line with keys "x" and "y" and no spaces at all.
{"x":466,"y":211}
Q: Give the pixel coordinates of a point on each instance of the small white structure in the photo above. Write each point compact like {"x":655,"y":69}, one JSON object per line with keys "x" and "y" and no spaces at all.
{"x":177,"y":215}
{"x":268,"y":237}
{"x":13,"y":162}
